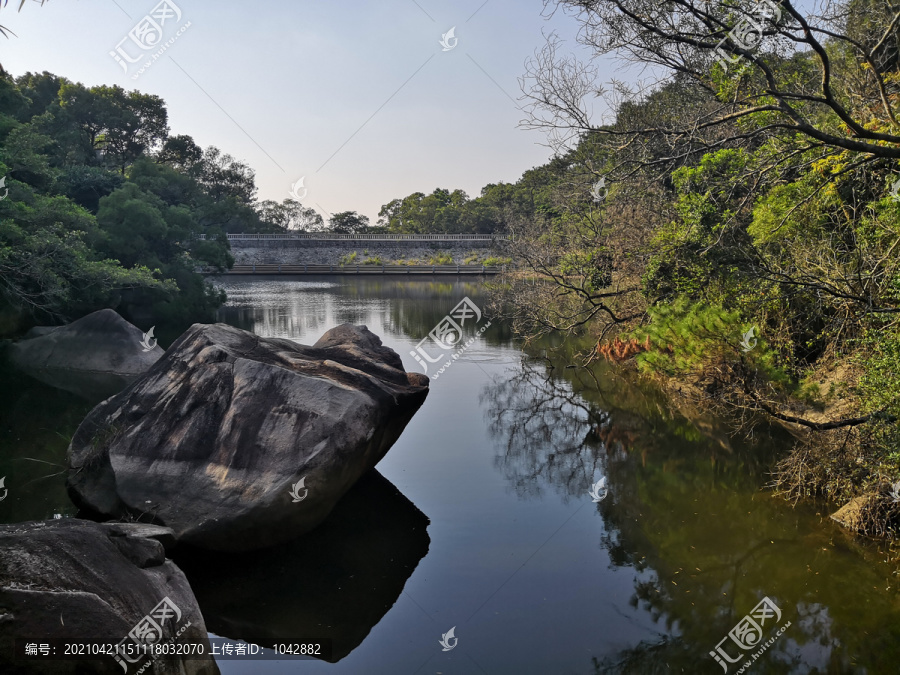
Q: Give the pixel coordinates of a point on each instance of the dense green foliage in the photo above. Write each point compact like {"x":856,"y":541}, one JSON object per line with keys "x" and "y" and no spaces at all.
{"x":106,"y":209}
{"x":348,"y":222}
{"x":445,"y":212}
{"x":761,"y":197}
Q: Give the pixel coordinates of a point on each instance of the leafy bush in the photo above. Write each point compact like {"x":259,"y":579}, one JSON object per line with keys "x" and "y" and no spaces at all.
{"x":879,"y":387}
{"x":441,"y":259}
{"x":698,"y":339}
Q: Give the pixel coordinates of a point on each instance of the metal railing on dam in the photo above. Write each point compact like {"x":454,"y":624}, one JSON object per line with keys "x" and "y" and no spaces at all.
{"x":417,"y":270}
{"x":325,"y":236}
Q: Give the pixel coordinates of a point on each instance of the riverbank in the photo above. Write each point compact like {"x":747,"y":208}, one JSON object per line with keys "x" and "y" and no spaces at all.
{"x":839,"y":456}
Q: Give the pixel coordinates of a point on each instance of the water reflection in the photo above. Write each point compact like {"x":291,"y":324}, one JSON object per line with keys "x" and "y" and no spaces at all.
{"x":336,"y":582}
{"x":36,"y":423}
{"x":501,"y":457}
{"x":304,"y":310}
{"x":688,"y":513}
{"x":551,"y":434}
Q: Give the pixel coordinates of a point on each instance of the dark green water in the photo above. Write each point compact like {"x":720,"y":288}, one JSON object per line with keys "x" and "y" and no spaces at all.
{"x":483,"y":521}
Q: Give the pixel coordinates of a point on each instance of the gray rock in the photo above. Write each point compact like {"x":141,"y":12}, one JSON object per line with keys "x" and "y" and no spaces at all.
{"x":94,"y":357}
{"x":39,"y":331}
{"x":83,"y":582}
{"x":238,"y":442}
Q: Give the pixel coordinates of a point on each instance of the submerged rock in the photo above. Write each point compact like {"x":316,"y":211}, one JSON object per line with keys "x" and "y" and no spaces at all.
{"x":238,"y":442}
{"x":874,"y":513}
{"x":851,"y":515}
{"x":84,"y":582}
{"x":94,"y":357}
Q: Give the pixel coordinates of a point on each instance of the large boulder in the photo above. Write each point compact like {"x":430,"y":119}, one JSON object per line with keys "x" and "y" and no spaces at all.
{"x":238,"y":442}
{"x":83,"y":582}
{"x":94,"y":357}
{"x":39,"y":331}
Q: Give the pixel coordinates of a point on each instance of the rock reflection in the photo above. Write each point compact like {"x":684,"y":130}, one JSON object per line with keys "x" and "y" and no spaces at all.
{"x":336,"y":582}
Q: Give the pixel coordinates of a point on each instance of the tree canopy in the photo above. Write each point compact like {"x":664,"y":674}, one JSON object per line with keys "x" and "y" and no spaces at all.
{"x":106,"y":209}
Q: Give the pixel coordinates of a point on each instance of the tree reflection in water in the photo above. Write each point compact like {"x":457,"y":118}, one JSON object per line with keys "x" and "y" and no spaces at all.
{"x":552,"y":435}
{"x":688,"y":513}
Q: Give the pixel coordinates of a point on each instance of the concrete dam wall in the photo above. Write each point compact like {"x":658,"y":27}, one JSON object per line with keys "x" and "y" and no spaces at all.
{"x":319,"y":252}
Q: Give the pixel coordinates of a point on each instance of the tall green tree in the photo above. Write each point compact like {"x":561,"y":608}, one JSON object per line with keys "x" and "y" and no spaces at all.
{"x":348,"y":222}
{"x":290,"y":215}
{"x":116,"y":126}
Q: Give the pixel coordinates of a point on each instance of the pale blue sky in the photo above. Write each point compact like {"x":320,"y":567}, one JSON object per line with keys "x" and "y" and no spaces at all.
{"x":301,"y":77}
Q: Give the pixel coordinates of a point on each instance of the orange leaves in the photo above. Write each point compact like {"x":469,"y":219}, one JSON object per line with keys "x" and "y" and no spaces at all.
{"x":618,"y":350}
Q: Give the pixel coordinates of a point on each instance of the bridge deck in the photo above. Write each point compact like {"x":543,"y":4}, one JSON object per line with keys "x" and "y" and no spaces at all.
{"x":365,"y":269}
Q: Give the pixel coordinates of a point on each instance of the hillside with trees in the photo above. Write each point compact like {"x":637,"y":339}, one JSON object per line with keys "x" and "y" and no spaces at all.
{"x":745,"y":245}
{"x":103,"y":207}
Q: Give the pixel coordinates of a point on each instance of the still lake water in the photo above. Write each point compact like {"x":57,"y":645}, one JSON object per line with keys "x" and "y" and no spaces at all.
{"x":481,"y":520}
